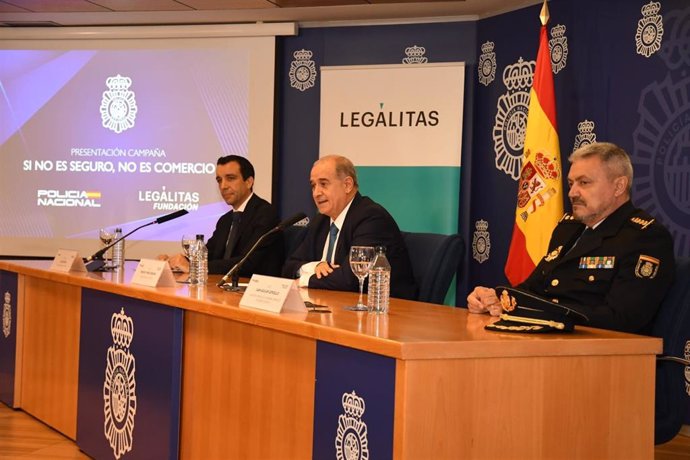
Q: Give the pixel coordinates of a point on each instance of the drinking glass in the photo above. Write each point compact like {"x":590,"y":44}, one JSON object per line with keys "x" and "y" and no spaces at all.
{"x":361,"y":258}
{"x":106,"y":238}
{"x":187,"y":242}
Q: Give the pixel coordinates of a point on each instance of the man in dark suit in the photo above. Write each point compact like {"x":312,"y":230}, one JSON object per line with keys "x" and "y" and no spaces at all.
{"x":345,"y":219}
{"x":609,"y":260}
{"x":237,"y":230}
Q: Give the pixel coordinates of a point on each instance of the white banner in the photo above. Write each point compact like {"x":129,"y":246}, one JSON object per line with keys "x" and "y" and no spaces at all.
{"x":393,"y":115}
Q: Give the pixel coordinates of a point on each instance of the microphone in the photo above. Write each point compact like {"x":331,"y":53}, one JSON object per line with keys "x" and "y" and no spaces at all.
{"x":234,"y":271}
{"x":95,"y":261}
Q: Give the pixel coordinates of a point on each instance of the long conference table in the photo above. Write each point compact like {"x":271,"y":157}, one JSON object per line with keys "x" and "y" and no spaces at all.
{"x":129,"y":371}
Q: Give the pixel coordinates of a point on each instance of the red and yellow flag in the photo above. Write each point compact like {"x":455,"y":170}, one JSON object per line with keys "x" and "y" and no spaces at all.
{"x":540,"y":190}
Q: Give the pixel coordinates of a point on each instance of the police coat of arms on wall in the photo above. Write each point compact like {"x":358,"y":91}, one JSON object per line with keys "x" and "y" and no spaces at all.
{"x":585,"y":134}
{"x":558,"y":44}
{"x":7,"y":315}
{"x":511,"y":117}
{"x":487,"y":64}
{"x":650,"y":30}
{"x":415,"y":55}
{"x":481,"y":241}
{"x":118,"y":106}
{"x":351,"y":441}
{"x":302,"y":70}
{"x":119,"y":387}
{"x":661,"y":139}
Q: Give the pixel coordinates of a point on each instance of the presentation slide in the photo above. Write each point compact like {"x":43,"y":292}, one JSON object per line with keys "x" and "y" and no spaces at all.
{"x":98,"y":135}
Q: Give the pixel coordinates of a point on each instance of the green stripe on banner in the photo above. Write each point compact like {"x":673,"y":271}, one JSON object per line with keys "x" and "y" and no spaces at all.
{"x":420,"y":198}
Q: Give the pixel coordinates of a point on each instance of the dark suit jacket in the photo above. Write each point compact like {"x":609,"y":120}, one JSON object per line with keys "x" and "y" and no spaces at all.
{"x":259,"y":217}
{"x":367,"y":224}
{"x":625,"y":296}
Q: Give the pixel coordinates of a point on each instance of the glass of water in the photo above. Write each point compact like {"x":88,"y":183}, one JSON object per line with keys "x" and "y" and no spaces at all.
{"x":361,"y":258}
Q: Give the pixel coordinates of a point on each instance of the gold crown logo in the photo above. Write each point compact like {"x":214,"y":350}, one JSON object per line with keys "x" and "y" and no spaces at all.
{"x":121,"y":328}
{"x":558,"y":31}
{"x":481,"y":225}
{"x":302,"y":55}
{"x":547,"y":168}
{"x":487,"y":47}
{"x":119,"y":82}
{"x":585,"y":127}
{"x":415,"y":51}
{"x":519,"y":75}
{"x":353,"y":404}
{"x":651,"y":9}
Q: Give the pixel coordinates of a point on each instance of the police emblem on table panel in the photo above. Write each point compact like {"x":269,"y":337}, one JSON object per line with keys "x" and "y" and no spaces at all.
{"x":302,"y":70}
{"x":662,"y":137}
{"x":118,"y":106}
{"x":119,"y":387}
{"x":687,"y":368}
{"x":585,"y":134}
{"x":487,"y":64}
{"x":511,"y":117}
{"x":481,"y":241}
{"x":650,"y":30}
{"x":351,"y":438}
{"x":415,"y":55}
{"x":558,"y":45}
{"x":7,"y":315}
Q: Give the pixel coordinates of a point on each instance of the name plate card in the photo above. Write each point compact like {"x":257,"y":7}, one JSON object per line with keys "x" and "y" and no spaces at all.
{"x":66,"y":261}
{"x":272,"y":294}
{"x":153,"y":273}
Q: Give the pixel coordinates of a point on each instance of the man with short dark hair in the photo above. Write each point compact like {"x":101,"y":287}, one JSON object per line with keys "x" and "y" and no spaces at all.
{"x":238,"y":230}
{"x":609,"y":260}
{"x":346,"y":219}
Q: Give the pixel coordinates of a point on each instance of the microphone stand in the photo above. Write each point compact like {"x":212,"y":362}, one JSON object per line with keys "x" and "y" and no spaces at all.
{"x":234,"y":272}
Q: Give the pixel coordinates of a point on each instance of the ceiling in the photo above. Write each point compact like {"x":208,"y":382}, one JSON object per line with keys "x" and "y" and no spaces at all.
{"x":167,"y":12}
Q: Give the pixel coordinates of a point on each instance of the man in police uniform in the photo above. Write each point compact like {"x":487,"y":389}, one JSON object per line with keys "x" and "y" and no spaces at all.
{"x":609,"y":260}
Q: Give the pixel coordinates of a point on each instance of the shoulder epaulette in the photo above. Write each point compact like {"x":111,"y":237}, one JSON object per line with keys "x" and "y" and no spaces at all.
{"x":566,"y":217}
{"x":642,"y":223}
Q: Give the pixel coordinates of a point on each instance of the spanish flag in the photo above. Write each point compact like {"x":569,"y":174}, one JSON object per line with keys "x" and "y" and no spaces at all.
{"x":540,"y":190}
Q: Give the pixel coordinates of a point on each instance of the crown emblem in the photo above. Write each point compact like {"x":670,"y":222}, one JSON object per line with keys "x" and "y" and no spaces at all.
{"x":121,"y":328}
{"x":119,"y":83}
{"x":8,"y":297}
{"x":546,"y":167}
{"x":585,"y":127}
{"x":487,"y":47}
{"x":481,"y":225}
{"x":353,"y":405}
{"x":651,"y":8}
{"x":519,"y":75}
{"x":558,"y":31}
{"x":302,"y":55}
{"x":415,"y":55}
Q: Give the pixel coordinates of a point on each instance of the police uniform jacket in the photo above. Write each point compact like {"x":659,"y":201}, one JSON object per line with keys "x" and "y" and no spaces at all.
{"x":616,"y":274}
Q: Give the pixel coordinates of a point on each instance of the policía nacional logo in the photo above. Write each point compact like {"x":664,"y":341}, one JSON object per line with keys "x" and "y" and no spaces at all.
{"x":118,"y":106}
{"x":558,"y":44}
{"x":511,"y":117}
{"x":7,"y":314}
{"x":687,"y":368}
{"x":650,"y":30}
{"x":481,"y":241}
{"x":351,"y":438}
{"x":119,"y":387}
{"x":302,"y":70}
{"x":487,"y":64}
{"x":585,"y":134}
{"x":661,"y":140}
{"x":415,"y":55}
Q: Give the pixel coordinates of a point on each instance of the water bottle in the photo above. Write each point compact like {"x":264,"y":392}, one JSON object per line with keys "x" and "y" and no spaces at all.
{"x":119,"y":250}
{"x":198,"y":262}
{"x":202,"y":260}
{"x":379,"y":292}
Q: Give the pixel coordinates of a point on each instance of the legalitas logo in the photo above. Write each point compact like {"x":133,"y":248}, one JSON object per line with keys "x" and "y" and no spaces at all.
{"x":170,"y":200}
{"x":389,"y":119}
{"x":68,"y":198}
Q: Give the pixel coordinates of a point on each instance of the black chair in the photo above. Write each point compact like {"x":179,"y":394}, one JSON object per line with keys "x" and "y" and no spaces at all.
{"x":435,"y":260}
{"x":672,"y":323}
{"x":293,"y":236}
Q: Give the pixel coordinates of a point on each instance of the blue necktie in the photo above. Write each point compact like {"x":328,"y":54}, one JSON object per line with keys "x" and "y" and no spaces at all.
{"x":233,"y":235}
{"x":331,"y":242}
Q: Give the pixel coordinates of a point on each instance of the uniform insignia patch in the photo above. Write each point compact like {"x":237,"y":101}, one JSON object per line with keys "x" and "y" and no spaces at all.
{"x":566,"y":216}
{"x":643,"y":223}
{"x":647,"y":267}
{"x":553,"y":254}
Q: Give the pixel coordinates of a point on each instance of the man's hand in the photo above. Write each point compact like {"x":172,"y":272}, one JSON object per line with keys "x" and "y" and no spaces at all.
{"x":178,"y":263}
{"x":324,"y":269}
{"x":483,"y":300}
